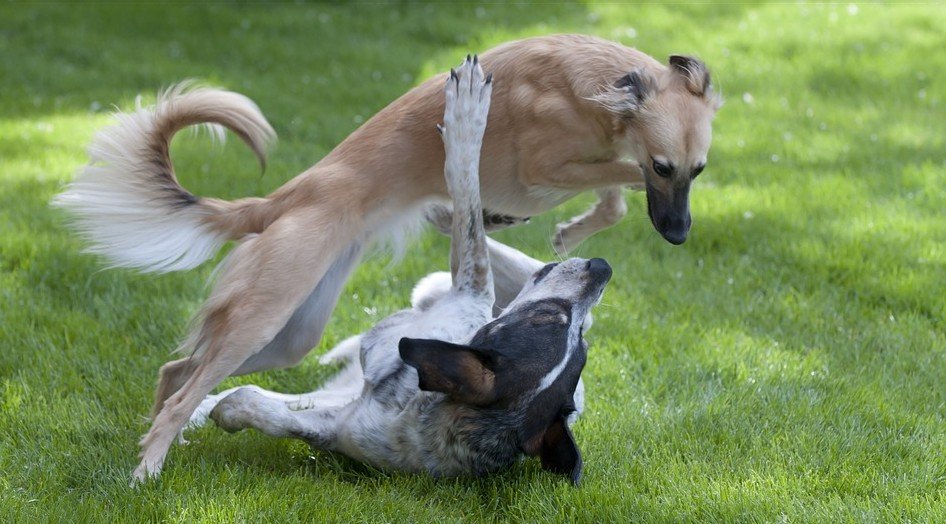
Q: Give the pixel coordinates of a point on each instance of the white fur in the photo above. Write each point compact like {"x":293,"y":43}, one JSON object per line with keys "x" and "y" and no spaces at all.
{"x":119,"y":209}
{"x":345,"y":351}
{"x":342,"y":389}
{"x":430,"y":289}
{"x":574,"y":330}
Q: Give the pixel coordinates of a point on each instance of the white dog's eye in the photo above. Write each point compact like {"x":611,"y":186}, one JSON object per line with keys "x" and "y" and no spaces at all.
{"x":544,"y":271}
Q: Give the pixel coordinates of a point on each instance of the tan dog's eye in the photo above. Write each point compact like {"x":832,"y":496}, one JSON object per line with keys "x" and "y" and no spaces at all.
{"x":697,"y":170}
{"x":664,"y":170}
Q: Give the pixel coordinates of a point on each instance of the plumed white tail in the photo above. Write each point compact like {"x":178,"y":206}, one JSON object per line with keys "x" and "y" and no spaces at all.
{"x":127,"y":202}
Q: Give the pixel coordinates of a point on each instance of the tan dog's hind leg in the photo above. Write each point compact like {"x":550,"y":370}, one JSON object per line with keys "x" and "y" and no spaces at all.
{"x":171,"y":377}
{"x":609,"y":210}
{"x":257,"y":294}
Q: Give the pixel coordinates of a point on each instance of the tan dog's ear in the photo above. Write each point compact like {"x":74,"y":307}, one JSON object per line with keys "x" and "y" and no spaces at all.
{"x":637,"y":86}
{"x":462,"y":372}
{"x":626,"y":96}
{"x":694,"y":71}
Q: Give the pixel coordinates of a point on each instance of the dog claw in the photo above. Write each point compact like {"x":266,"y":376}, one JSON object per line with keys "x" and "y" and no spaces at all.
{"x":467,"y":57}
{"x":489,"y":79}
{"x":476,"y":60}
{"x":453,"y":74}
{"x":440,"y":129}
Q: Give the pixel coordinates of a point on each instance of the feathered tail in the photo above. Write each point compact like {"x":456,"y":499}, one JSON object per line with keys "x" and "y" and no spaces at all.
{"x":127,"y":202}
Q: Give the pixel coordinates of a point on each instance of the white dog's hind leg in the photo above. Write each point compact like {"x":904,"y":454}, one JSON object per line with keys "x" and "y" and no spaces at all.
{"x":430,"y":289}
{"x":345,"y":351}
{"x":202,"y":413}
{"x":341,"y":389}
{"x":248,"y":407}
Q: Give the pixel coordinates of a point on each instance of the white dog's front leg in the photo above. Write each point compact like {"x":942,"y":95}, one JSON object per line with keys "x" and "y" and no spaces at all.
{"x":467,"y":92}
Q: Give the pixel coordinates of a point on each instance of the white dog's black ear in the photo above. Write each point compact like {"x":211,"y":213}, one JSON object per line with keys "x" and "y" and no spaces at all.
{"x":462,"y":372}
{"x":558,"y":451}
{"x":637,"y":87}
{"x":694,"y":71}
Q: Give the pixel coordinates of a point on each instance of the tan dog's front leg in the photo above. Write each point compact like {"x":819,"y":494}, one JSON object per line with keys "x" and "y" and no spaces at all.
{"x":609,"y":210}
{"x":583,"y":176}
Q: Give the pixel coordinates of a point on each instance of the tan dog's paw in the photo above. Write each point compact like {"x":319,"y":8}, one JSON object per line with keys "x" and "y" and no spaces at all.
{"x":563,"y":240}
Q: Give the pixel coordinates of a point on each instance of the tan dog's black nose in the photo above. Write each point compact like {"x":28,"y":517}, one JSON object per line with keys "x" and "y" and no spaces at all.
{"x":675,"y":230}
{"x":675,"y":237}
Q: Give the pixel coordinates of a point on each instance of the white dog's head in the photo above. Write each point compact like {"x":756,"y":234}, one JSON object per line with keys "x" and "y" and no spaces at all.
{"x":526,"y":363}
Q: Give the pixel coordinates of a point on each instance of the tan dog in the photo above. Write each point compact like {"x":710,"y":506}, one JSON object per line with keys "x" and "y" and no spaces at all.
{"x":568,"y":113}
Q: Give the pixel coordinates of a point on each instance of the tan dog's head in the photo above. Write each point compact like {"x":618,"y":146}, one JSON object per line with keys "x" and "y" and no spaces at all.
{"x":665,"y":117}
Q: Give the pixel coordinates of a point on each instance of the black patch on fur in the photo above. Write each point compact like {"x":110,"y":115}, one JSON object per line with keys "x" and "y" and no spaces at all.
{"x":388,"y":391}
{"x":696,"y":72}
{"x":463,"y":373}
{"x":519,"y":349}
{"x":559,"y":453}
{"x":540,"y":274}
{"x":496,"y":220}
{"x":530,"y":339}
{"x":639,"y":86}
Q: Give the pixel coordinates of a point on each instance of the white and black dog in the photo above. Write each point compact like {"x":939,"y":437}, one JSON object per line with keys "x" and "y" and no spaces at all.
{"x":444,"y":387}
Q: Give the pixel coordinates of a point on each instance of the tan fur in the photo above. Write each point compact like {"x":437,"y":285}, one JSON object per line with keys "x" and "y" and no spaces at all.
{"x":609,"y":210}
{"x":549,"y":136}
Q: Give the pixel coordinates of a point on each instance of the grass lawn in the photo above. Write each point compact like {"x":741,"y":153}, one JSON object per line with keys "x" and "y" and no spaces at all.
{"x":785,"y":364}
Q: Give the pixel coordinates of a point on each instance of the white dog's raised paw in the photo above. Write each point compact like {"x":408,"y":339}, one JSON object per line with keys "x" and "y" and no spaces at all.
{"x":468,"y":91}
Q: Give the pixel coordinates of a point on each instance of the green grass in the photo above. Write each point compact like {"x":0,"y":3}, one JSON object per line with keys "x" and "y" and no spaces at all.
{"x":785,"y":364}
